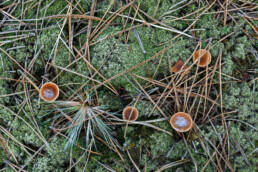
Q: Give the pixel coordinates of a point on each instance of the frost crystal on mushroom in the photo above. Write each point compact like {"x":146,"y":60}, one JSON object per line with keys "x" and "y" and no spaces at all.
{"x":49,"y":91}
{"x":181,"y":122}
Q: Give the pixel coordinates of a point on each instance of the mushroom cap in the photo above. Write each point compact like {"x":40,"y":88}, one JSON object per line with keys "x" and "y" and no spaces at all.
{"x":178,"y":66}
{"x":130,"y":113}
{"x":181,"y":122}
{"x":49,"y":91}
{"x":205,"y":57}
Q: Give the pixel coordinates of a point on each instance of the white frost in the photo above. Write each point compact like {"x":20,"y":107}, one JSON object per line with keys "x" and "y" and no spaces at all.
{"x":49,"y":93}
{"x":181,"y":122}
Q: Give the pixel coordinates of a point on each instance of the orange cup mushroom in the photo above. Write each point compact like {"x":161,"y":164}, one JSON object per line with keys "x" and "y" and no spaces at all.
{"x":130,"y":113}
{"x":178,"y":66}
{"x":181,"y":122}
{"x":49,"y":92}
{"x":204,"y":55}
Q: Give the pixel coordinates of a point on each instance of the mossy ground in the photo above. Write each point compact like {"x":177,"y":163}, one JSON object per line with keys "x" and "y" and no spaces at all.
{"x":40,"y":49}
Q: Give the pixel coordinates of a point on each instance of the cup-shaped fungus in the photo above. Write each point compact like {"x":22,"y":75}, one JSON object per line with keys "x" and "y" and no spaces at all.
{"x":178,"y":66}
{"x":181,"y":122}
{"x":130,"y":113}
{"x":49,"y":91}
{"x":203,"y":57}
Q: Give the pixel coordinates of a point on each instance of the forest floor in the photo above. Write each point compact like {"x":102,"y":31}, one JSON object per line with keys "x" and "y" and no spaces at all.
{"x":160,"y":57}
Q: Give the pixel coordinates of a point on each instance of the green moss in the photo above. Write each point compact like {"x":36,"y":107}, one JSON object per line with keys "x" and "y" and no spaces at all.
{"x":125,"y":56}
{"x":47,"y":41}
{"x":54,"y":7}
{"x":5,"y":88}
{"x":160,"y":143}
{"x":242,"y":98}
{"x":110,"y":101}
{"x":150,"y":7}
{"x":243,"y":142}
{"x":55,"y":159}
{"x":23,"y":132}
{"x":144,"y":108}
{"x":232,"y":48}
{"x":44,"y":164}
{"x":3,"y":157}
{"x":119,"y":56}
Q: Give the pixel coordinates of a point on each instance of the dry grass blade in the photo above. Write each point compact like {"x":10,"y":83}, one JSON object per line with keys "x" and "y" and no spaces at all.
{"x":217,"y":151}
{"x":112,"y":17}
{"x":146,"y":123}
{"x":4,"y":12}
{"x":137,"y":168}
{"x":172,"y":164}
{"x":13,"y":166}
{"x":148,"y":96}
{"x":192,"y":94}
{"x":73,"y":16}
{"x":106,"y":167}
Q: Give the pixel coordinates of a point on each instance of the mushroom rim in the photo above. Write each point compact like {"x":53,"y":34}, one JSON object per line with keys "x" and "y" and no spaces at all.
{"x":201,"y":53}
{"x":182,"y":130}
{"x":133,"y":109}
{"x":55,"y":97}
{"x":184,"y":69}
